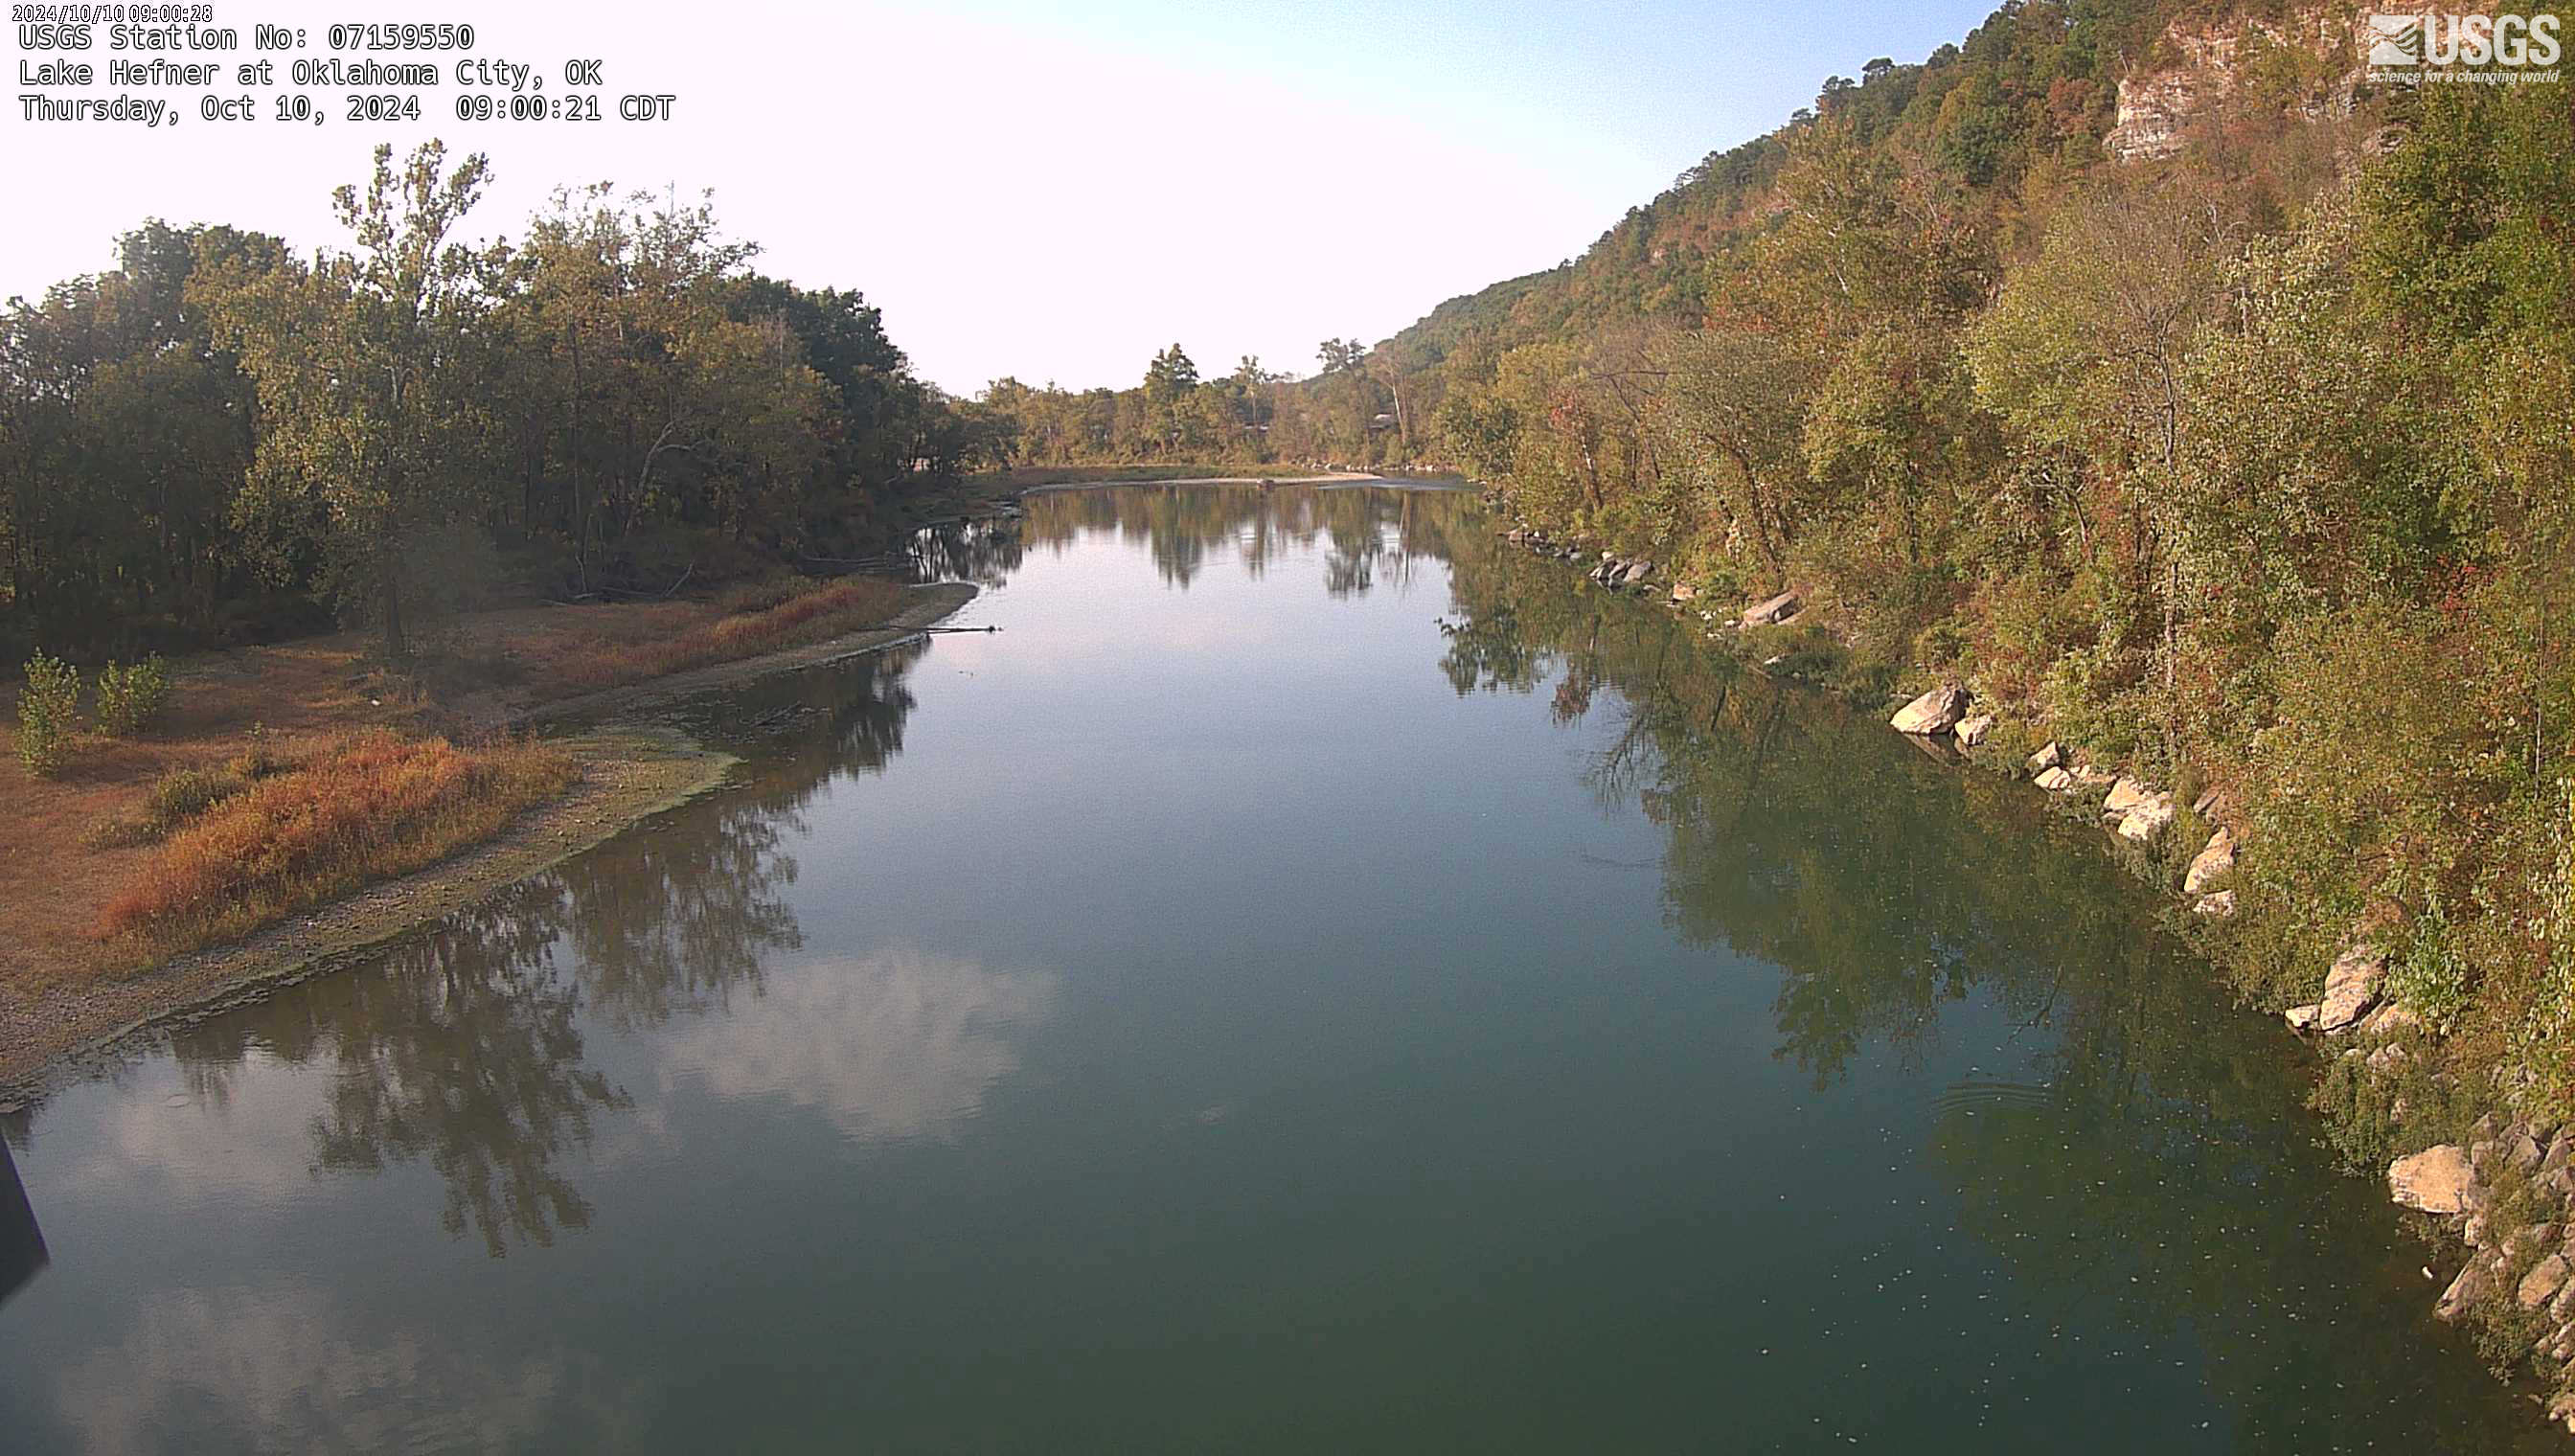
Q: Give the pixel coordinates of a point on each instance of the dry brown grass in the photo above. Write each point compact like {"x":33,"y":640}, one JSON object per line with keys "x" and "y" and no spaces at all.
{"x":375,"y":806}
{"x":71,"y":845}
{"x":809,"y":617}
{"x":60,"y":864}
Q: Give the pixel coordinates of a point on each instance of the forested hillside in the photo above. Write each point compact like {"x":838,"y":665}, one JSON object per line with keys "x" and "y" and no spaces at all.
{"x":2187,"y":395}
{"x":227,"y":440}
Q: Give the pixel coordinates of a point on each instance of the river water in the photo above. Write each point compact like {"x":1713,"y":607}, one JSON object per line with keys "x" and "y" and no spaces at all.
{"x":1316,"y":979}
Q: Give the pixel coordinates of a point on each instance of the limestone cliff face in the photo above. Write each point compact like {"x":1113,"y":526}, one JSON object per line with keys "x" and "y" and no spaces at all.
{"x":2310,"y":60}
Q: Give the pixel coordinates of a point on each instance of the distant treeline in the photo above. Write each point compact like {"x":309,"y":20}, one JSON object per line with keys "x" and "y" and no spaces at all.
{"x":1352,"y":412}
{"x":224,"y":440}
{"x":2248,"y":460}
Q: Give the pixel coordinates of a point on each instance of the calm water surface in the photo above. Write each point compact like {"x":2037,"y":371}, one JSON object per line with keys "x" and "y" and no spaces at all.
{"x":1312,"y":981}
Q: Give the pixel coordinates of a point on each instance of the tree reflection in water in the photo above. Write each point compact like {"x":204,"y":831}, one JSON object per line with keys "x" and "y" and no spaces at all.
{"x":463,"y":1052}
{"x":2146,"y":1162}
{"x":1366,"y":535}
{"x":1884,"y":887}
{"x":985,"y":551}
{"x":462,"y":1049}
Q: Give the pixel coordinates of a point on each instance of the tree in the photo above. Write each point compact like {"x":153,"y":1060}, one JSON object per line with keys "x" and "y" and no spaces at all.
{"x":1733,"y":412}
{"x":1341,"y":356}
{"x":124,"y":432}
{"x":364,"y":409}
{"x":1169,"y":382}
{"x":2087,"y":349}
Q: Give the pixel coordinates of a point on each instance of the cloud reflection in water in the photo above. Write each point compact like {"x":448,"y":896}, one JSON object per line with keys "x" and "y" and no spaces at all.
{"x":899,"y":1045}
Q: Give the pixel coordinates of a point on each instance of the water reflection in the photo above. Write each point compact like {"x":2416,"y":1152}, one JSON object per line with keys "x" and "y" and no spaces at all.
{"x":464,"y":1055}
{"x":1329,"y":1060}
{"x":899,"y":1045}
{"x":985,"y":551}
{"x":809,"y":729}
{"x":465,"y":1049}
{"x":287,"y":1369}
{"x":2137,"y":1158}
{"x":22,"y":1244}
{"x":1365,"y":536}
{"x":1884,"y":887}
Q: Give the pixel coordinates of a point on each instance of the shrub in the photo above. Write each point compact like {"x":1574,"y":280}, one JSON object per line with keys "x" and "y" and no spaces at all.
{"x":2542,"y":1038}
{"x":45,"y":709}
{"x":2361,"y":1108}
{"x":2022,"y":625}
{"x":2433,"y":977}
{"x":130,"y":696}
{"x":2373,"y":783}
{"x":1944,"y":647}
{"x":258,"y":757}
{"x":375,"y":806}
{"x":772,"y":590}
{"x":2089,"y":693}
{"x":2183,"y":839}
{"x":173,"y":800}
{"x":183,"y":794}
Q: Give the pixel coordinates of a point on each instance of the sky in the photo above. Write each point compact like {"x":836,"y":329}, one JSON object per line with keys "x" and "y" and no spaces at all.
{"x":1046,"y":191}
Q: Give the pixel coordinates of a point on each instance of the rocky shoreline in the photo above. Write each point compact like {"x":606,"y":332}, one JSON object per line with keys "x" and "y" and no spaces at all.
{"x":2501,"y":1205}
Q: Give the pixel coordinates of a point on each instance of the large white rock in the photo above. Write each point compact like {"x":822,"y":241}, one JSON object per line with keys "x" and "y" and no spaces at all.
{"x":2390,"y":1019}
{"x":2435,"y":1180}
{"x":2126,"y":793}
{"x":2211,"y":863}
{"x":1777,"y":609}
{"x":2054,"y":781}
{"x":2299,"y":1017}
{"x":2543,"y":1281}
{"x":1972,"y":731}
{"x":1935,"y":711}
{"x":2051,"y":755}
{"x":2147,"y":820}
{"x":2351,"y":986}
{"x":2465,"y":1290}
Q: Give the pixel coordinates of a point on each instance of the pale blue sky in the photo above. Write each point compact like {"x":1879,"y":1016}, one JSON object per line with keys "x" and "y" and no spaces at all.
{"x":1058,"y":190}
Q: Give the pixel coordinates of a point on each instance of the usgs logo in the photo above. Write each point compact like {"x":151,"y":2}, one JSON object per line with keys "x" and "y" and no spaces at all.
{"x":2429,"y":45}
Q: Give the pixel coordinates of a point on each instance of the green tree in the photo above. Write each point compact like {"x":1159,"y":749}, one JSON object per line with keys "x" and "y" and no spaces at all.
{"x":1169,"y":382}
{"x":363,"y":411}
{"x":1732,"y":414}
{"x":2088,"y":350}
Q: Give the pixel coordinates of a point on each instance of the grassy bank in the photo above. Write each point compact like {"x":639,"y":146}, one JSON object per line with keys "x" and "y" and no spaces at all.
{"x":1020,"y":477}
{"x":625,"y":775}
{"x":370,"y":809}
{"x":757,"y":620}
{"x":286,"y":777}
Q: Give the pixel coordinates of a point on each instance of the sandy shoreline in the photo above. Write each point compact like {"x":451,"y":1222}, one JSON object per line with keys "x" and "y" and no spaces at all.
{"x":629,"y":772}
